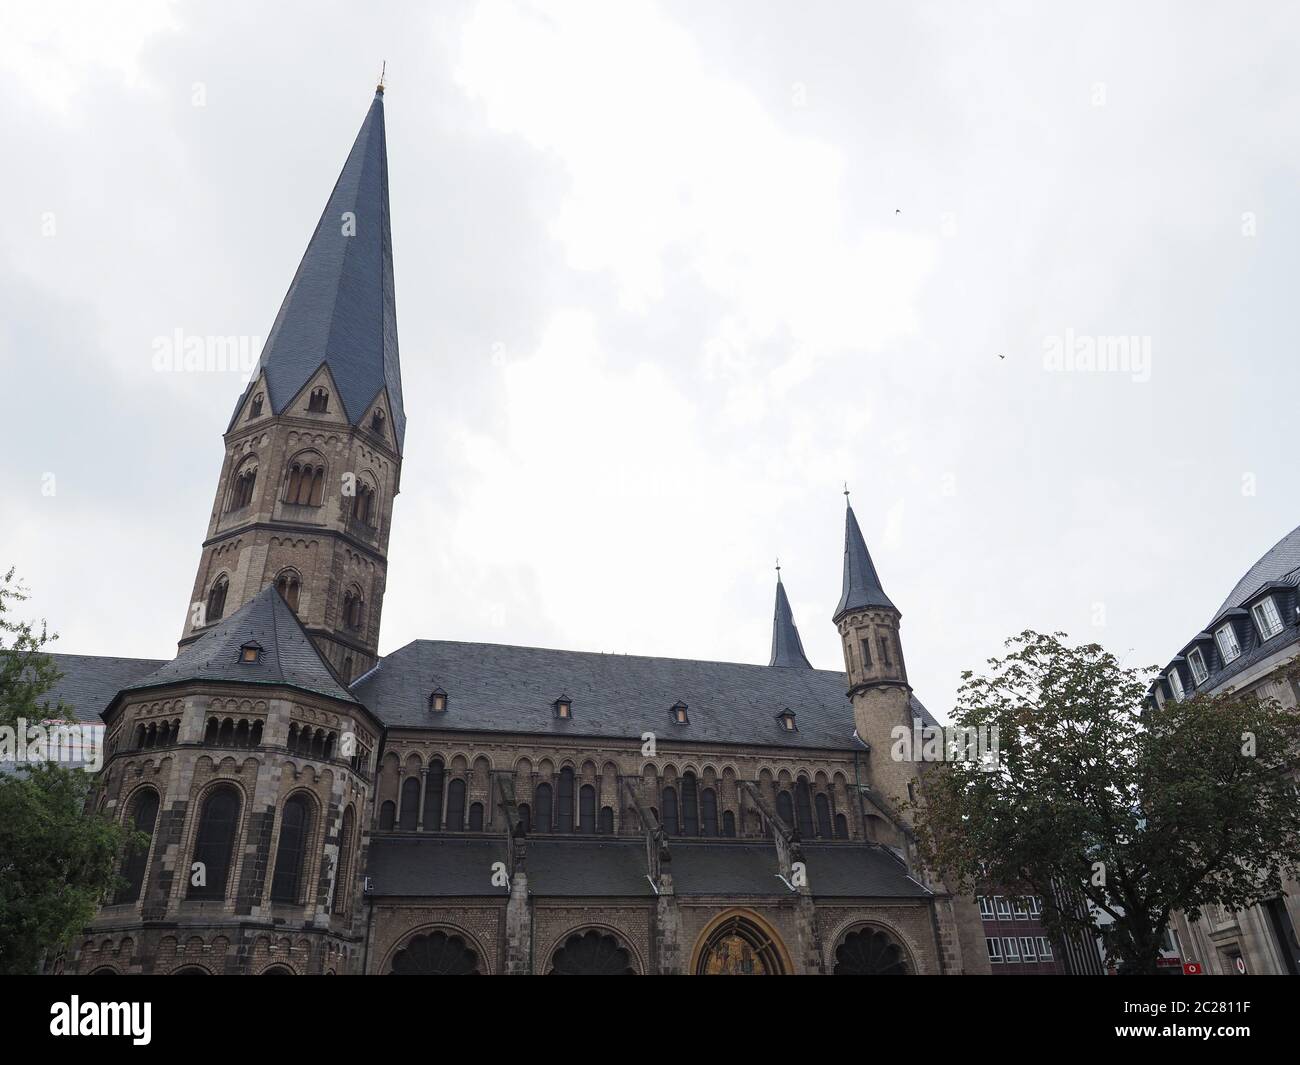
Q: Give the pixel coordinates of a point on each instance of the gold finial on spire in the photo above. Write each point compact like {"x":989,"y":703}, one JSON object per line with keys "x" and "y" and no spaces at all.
{"x":382,"y":71}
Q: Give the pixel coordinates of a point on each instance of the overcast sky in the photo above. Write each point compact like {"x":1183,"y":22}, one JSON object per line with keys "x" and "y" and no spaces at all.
{"x":668,"y":275}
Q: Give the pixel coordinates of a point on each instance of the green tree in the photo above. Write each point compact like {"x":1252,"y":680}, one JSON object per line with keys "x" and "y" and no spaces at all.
{"x":1146,"y":810}
{"x":57,"y":859}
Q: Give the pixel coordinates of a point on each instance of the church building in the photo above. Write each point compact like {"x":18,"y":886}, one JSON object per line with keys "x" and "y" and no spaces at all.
{"x":314,"y":807}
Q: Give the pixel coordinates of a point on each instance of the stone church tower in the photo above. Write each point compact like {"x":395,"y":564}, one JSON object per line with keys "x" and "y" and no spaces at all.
{"x":313,"y":451}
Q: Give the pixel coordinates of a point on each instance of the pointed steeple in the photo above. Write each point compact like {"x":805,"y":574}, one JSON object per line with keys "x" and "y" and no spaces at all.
{"x":340,"y":309}
{"x":787,"y":649}
{"x":861,"y":584}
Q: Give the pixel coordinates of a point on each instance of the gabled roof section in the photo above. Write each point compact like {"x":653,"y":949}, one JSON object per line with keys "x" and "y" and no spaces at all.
{"x":787,"y":649}
{"x":340,"y":308}
{"x":288,"y":657}
{"x":861,"y":584}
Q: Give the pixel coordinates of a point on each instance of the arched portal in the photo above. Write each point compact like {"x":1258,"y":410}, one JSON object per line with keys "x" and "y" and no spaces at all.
{"x":740,"y":944}
{"x":871,"y":952}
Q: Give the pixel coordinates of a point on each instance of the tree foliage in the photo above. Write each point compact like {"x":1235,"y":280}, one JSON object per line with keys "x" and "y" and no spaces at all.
{"x":57,"y":859}
{"x":1144,"y":809}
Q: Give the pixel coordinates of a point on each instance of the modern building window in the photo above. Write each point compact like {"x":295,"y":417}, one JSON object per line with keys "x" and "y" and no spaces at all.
{"x":994,"y":948}
{"x":1003,"y":907}
{"x":1020,"y":911}
{"x":1196,"y":661}
{"x":1228,"y":645}
{"x":1010,"y":949}
{"x":986,"y":907}
{"x":295,"y":826}
{"x":1035,"y":906}
{"x":143,"y":816}
{"x":1176,"y":684}
{"x":1027,"y":948}
{"x":215,"y":842}
{"x":1267,"y":618}
{"x":1044,"y":949}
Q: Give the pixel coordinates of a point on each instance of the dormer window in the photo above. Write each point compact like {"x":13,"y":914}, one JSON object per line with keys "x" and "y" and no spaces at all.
{"x":250,"y":653}
{"x":377,"y":422}
{"x":437,"y":701}
{"x":679,"y":714}
{"x":255,"y":411}
{"x":1176,"y":684}
{"x":319,"y":401}
{"x":1267,"y":618}
{"x":1197,"y":661}
{"x":563,"y":708}
{"x":786,"y":717}
{"x":1226,"y":637}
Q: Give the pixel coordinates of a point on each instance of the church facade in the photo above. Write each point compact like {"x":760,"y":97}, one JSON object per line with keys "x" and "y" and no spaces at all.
{"x":461,"y":808}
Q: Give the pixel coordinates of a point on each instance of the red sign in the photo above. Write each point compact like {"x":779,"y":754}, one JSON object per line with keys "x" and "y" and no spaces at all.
{"x":1191,"y":968}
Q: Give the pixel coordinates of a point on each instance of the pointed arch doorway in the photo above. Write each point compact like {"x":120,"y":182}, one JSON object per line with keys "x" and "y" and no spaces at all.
{"x":740,"y":943}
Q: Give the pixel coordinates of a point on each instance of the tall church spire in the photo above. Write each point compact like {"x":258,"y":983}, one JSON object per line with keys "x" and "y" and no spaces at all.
{"x":340,"y":309}
{"x":861,"y":584}
{"x":787,"y":649}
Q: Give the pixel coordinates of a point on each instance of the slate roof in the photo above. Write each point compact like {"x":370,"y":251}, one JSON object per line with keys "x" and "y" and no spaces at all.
{"x":1281,"y":562}
{"x":90,"y":682}
{"x":340,"y":308}
{"x":289,"y":658}
{"x":787,"y":648}
{"x":440,"y":866}
{"x":861,"y":583}
{"x":496,"y":688}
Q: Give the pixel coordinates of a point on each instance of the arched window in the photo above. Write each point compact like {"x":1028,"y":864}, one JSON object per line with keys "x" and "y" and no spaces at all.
{"x":410,"y":803}
{"x":343,"y":877}
{"x":215,"y":842}
{"x":606,"y":823}
{"x":289,"y":585}
{"x":377,"y":422}
{"x":305,"y":483}
{"x":143,"y":816}
{"x":363,"y":504}
{"x":841,"y":827}
{"x":436,"y":954}
{"x":387,"y":815}
{"x":241,"y":489}
{"x":592,"y":953}
{"x":709,"y":812}
{"x":319,"y":401}
{"x":217,"y":599}
{"x":803,"y":809}
{"x":255,"y":410}
{"x":433,"y":797}
{"x":690,"y":806}
{"x":456,"y":806}
{"x":295,"y":827}
{"x":785,"y":808}
{"x":564,"y":802}
{"x":669,"y":800}
{"x":824,"y":828}
{"x":869,"y":952}
{"x":476,"y":817}
{"x":728,"y":824}
{"x":353,"y":609}
{"x":739,"y":947}
{"x":587,"y":809}
{"x":542,"y":799}
{"x":525,"y":817}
